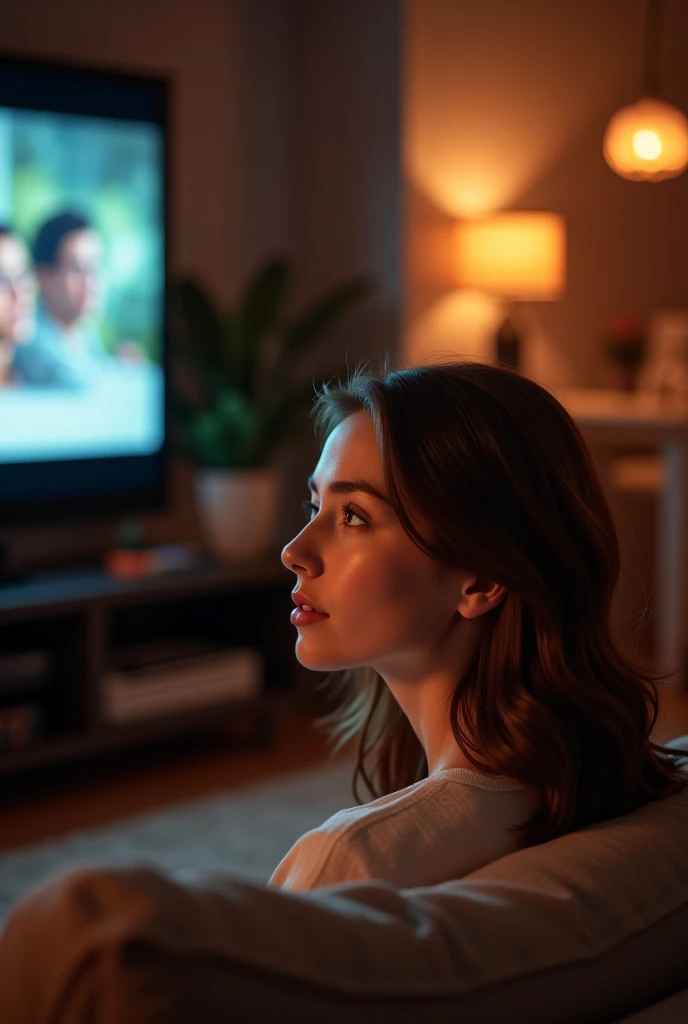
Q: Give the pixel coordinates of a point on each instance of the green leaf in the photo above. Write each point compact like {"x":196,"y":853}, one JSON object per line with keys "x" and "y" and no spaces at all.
{"x":199,"y":332}
{"x":222,"y":436}
{"x":259,"y":315}
{"x":207,"y":440}
{"x":235,"y":411}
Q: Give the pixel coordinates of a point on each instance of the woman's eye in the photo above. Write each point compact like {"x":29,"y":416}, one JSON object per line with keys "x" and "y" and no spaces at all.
{"x":309,"y":506}
{"x":350,"y":512}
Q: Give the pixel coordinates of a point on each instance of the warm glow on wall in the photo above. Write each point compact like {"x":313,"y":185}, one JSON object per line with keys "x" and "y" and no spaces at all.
{"x":512,"y":255}
{"x":647,"y":141}
{"x":482,"y":124}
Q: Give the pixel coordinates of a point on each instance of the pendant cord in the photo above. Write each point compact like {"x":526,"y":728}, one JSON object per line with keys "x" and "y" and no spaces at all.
{"x":651,"y":47}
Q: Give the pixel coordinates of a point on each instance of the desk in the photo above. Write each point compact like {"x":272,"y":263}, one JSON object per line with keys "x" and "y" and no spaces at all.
{"x":611,"y":420}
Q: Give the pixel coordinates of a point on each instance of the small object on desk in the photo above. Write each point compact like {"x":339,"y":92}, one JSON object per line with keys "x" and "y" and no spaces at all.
{"x":625,"y":348}
{"x":130,"y":556}
{"x":507,"y":344}
{"x":127,"y":563}
{"x":665,"y":371}
{"x":172,"y":557}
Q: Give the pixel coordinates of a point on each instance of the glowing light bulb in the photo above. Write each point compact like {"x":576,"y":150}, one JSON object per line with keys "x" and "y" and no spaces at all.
{"x":647,"y":144}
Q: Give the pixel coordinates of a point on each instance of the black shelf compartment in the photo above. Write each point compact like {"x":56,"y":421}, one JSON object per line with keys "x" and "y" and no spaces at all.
{"x":63,"y":697}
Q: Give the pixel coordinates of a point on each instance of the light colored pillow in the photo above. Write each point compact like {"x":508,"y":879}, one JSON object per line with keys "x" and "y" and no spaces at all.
{"x":590,"y":926}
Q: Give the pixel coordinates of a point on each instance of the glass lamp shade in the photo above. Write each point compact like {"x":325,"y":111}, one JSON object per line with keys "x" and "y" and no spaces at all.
{"x":647,"y":141}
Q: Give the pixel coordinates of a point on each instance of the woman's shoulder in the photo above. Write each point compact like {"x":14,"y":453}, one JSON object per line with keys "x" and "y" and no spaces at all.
{"x":449,"y":789}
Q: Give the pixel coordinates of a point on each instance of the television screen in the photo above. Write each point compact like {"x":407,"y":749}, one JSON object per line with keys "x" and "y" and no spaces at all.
{"x":82,"y":288}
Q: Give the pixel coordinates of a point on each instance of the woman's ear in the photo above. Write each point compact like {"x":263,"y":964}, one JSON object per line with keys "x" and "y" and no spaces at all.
{"x":479,"y":596}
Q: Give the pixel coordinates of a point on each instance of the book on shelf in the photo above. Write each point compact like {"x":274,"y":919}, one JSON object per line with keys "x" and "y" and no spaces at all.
{"x":181,"y":684}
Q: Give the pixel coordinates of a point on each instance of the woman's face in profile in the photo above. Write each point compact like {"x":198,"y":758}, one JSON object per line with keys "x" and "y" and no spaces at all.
{"x":16,"y":290}
{"x":385,"y":605}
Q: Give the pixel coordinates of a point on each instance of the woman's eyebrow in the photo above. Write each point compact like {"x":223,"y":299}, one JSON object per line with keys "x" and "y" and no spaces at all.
{"x":348,"y":486}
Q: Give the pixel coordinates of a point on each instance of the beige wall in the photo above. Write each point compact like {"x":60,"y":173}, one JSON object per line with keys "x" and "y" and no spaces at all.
{"x":346,"y":195}
{"x":505,"y":105}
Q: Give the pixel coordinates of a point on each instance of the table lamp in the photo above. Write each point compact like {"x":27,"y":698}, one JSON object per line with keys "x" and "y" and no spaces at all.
{"x":516,"y":257}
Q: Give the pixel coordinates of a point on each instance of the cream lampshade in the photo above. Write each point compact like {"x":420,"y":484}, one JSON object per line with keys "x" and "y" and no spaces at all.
{"x":515,"y":257}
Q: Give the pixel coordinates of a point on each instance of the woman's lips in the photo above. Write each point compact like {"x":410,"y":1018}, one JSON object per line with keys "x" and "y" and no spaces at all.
{"x":301,"y":617}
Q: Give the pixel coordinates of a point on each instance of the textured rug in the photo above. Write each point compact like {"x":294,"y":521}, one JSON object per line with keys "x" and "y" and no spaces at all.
{"x":244,"y":833}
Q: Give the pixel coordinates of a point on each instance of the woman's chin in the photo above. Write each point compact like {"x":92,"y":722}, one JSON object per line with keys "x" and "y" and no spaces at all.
{"x":311,"y":660}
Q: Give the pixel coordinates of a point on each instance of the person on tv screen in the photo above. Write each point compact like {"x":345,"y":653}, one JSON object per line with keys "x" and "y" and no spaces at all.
{"x":66,"y":349}
{"x":16,"y":302}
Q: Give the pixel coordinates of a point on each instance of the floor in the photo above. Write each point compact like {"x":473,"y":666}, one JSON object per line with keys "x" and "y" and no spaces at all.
{"x":85,"y":795}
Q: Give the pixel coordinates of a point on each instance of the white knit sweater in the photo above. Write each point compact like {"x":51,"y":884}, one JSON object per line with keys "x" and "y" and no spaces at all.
{"x":436,"y":830}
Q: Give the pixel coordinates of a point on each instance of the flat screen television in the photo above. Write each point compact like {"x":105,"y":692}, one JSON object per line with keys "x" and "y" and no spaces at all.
{"x":83,"y":266}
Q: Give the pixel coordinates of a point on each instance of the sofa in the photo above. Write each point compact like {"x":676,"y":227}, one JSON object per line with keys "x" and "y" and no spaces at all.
{"x":592,"y":926}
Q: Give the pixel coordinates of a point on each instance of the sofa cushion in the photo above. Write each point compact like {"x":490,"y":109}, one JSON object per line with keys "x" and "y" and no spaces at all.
{"x":590,"y":926}
{"x":668,"y":1011}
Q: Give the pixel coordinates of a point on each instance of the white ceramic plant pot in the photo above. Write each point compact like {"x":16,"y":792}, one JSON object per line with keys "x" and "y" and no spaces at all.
{"x":238,"y":511}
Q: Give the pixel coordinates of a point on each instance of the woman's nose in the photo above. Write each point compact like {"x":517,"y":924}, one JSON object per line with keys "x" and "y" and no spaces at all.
{"x":287,"y":556}
{"x":295,"y":554}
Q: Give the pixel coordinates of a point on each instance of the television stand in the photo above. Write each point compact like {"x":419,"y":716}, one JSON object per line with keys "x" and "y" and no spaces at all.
{"x":87,"y":624}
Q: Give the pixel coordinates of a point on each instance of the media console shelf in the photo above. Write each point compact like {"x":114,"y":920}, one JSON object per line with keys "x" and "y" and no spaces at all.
{"x":84,"y":624}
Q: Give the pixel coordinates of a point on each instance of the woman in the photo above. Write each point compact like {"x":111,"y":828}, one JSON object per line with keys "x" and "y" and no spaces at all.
{"x":16,"y":300}
{"x":466,"y":581}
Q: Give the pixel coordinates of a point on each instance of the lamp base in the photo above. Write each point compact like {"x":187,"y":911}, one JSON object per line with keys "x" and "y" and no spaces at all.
{"x":507,"y":345}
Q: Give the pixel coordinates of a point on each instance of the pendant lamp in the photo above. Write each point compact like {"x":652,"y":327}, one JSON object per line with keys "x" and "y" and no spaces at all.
{"x":648,"y":140}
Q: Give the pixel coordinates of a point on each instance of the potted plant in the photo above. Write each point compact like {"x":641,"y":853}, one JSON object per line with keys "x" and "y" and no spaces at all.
{"x":235,"y":401}
{"x":625,"y":345}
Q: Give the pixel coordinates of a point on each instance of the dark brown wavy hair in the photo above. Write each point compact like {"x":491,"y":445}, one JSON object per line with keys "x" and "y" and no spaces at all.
{"x":504,"y":475}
